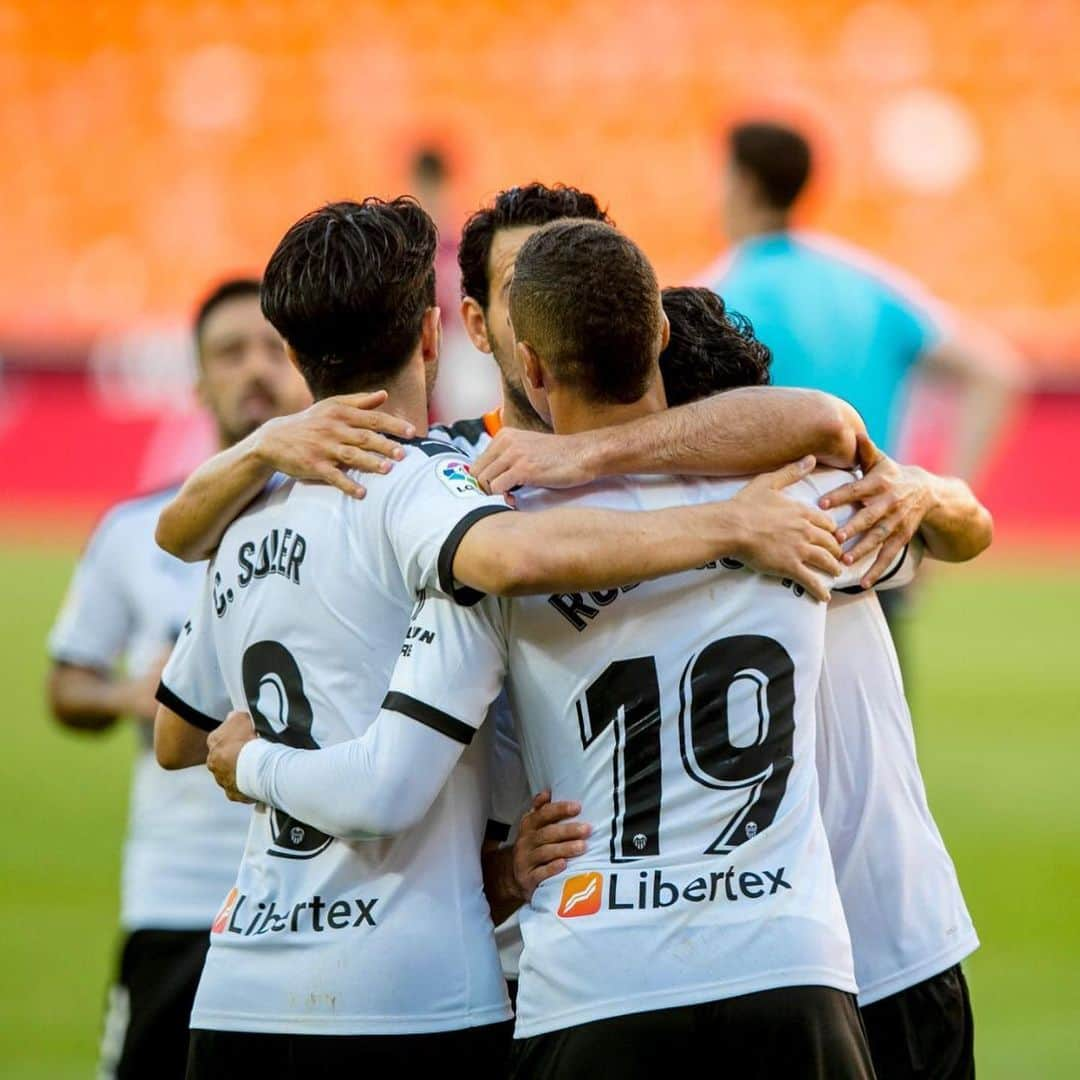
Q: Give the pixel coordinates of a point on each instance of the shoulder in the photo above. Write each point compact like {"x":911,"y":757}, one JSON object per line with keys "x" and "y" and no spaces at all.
{"x":136,"y":516}
{"x":429,"y":466}
{"x":884,"y":277}
{"x":464,"y":434}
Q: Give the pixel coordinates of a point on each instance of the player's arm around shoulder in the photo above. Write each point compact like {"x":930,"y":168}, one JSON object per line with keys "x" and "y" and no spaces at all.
{"x":320,"y":443}
{"x":569,"y":549}
{"x":736,"y":433}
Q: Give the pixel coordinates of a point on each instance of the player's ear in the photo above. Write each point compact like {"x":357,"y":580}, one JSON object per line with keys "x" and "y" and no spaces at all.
{"x":472,"y":315}
{"x":665,"y":329}
{"x":531,"y":370}
{"x":430,"y":334}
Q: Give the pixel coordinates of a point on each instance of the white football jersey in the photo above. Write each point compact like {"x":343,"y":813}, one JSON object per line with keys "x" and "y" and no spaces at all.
{"x":510,"y":795}
{"x":680,"y":713}
{"x":306,"y":606}
{"x":126,"y":605}
{"x":901,"y":896}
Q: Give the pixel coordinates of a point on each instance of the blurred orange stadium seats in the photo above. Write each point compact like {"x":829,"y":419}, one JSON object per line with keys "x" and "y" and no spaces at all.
{"x":156,"y":145}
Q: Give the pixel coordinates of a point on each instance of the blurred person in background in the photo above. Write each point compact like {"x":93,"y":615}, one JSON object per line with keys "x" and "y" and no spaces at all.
{"x":124,"y":610}
{"x":838,"y":319}
{"x":468,"y":384}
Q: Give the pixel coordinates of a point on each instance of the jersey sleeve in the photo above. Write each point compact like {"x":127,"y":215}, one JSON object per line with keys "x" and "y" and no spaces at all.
{"x":192,"y":685}
{"x":383,"y":782}
{"x":903,"y":568}
{"x":96,"y":621}
{"x":452,"y":665}
{"x":914,"y":319}
{"x":428,"y":513}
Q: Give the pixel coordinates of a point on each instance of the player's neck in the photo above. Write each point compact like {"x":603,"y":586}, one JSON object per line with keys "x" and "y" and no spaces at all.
{"x":571,"y":415}
{"x":406,"y":398}
{"x":519,"y":414}
{"x":758,"y":221}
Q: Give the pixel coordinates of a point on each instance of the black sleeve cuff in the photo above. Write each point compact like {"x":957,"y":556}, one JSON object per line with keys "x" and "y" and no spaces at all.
{"x":442,"y":722}
{"x":183,"y":709}
{"x":462,"y":594}
{"x":854,"y":590}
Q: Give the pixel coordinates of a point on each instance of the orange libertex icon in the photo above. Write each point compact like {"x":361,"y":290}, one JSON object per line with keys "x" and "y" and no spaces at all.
{"x":581,"y":895}
{"x":222,"y":919}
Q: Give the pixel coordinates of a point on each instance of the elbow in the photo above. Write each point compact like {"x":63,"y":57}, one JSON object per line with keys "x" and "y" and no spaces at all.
{"x":67,"y":713}
{"x":984,"y":533}
{"x":169,"y":538}
{"x":521,"y":573}
{"x":168,"y":754}
{"x":838,"y":429}
{"x":175,"y":746}
{"x":376,"y":824}
{"x":515,"y":568}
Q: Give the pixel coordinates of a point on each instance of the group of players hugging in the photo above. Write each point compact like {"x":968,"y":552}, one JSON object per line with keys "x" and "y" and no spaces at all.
{"x":574,"y":737}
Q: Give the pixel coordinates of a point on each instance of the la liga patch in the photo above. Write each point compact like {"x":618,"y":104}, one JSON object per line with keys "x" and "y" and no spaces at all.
{"x":457,"y":477}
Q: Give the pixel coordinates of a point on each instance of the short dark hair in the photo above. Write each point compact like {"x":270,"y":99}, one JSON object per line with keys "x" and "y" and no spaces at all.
{"x":586,"y":299}
{"x":711,"y":349}
{"x":534,"y":204}
{"x":777,"y":157}
{"x":230,"y":289}
{"x":347,"y":288}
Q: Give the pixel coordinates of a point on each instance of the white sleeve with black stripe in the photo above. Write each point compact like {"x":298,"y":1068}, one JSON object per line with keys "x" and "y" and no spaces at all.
{"x":382,"y":783}
{"x":192,"y":685}
{"x":429,"y":510}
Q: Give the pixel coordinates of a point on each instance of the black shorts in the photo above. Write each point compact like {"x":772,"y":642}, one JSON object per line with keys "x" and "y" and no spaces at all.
{"x":149,"y":1010}
{"x":480,"y":1052}
{"x":925,"y":1031}
{"x":793,"y":1033}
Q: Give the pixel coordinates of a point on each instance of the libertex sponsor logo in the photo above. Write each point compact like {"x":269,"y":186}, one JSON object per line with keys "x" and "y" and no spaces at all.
{"x":650,"y":890}
{"x":581,"y":895}
{"x":241,"y":915}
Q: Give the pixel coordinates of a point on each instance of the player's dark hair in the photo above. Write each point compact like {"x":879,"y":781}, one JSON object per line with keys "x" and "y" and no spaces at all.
{"x":777,"y":157}
{"x":534,"y":204}
{"x":347,"y":288}
{"x":586,"y":299}
{"x":229,"y":289}
{"x":711,"y":349}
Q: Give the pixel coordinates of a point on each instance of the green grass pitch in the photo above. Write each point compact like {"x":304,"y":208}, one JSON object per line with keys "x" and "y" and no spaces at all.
{"x":996,"y":685}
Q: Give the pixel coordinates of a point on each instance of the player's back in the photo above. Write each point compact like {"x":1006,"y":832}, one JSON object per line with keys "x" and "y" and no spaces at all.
{"x":680,"y":713}
{"x":311,"y":593}
{"x":901,"y":896}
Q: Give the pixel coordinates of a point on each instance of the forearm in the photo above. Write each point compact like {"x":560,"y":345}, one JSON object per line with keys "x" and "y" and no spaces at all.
{"x":957,"y":527}
{"x":573,"y":550}
{"x":192,"y":524}
{"x":85,"y":699}
{"x":377,"y":785}
{"x":500,"y":887}
{"x":985,"y":406}
{"x":732,"y":434}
